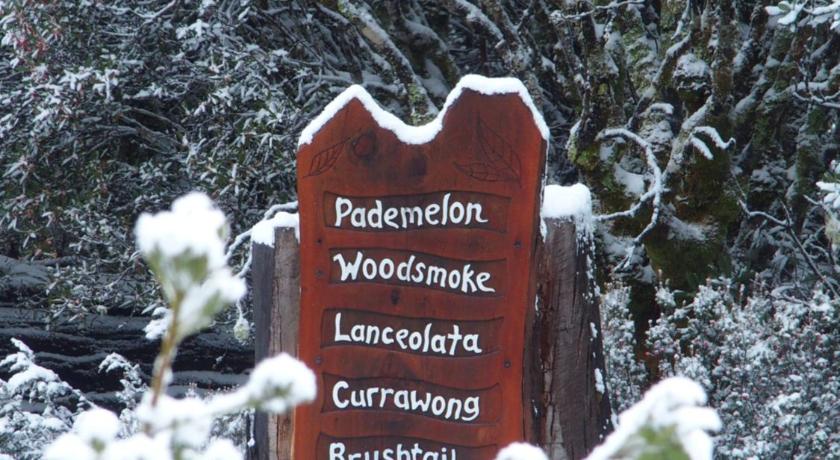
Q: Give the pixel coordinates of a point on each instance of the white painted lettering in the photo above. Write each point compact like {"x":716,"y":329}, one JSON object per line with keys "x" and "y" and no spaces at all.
{"x":386,"y":268}
{"x":349,"y":270}
{"x":343,"y":206}
{"x":415,"y":401}
{"x":339,"y":337}
{"x":357,"y":218}
{"x":340,"y":385}
{"x":480,"y":279}
{"x":424,"y":339}
{"x":474,"y":208}
{"x":390,"y":214}
{"x":337,"y":450}
{"x":432,"y":210}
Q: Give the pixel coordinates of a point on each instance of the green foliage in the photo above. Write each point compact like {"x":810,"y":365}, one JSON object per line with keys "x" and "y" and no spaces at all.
{"x":661,"y":444}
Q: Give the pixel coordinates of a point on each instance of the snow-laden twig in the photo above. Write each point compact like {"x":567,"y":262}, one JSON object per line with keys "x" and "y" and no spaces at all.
{"x":418,"y":98}
{"x":684,"y":17}
{"x":713,"y":134}
{"x":669,"y":422}
{"x":661,"y":77}
{"x":246,"y":235}
{"x":788,"y":226}
{"x":762,"y":214}
{"x":149,"y":17}
{"x":818,"y":100}
{"x":475,"y":17}
{"x":559,"y":16}
{"x":517,"y":54}
{"x":290,"y":206}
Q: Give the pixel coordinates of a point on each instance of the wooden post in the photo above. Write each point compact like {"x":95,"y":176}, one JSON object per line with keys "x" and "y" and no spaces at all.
{"x":571,"y":408}
{"x":276,"y":286}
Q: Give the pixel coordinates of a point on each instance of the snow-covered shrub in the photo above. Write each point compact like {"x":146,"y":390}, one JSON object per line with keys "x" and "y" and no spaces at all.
{"x":831,"y":203}
{"x":133,"y":388}
{"x":822,"y":11}
{"x":35,"y":405}
{"x":143,"y":101}
{"x":185,"y":249}
{"x":769,"y":363}
{"x":669,"y":423}
{"x":626,"y":376}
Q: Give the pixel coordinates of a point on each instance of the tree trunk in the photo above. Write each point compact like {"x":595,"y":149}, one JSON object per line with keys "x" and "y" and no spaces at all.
{"x":74,"y":348}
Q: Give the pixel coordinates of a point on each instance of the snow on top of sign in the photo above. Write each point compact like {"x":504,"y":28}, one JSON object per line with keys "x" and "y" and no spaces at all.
{"x":425,"y":133}
{"x":263,"y":231}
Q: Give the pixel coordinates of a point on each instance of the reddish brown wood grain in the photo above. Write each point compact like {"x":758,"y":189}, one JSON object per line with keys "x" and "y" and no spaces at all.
{"x":489,"y":150}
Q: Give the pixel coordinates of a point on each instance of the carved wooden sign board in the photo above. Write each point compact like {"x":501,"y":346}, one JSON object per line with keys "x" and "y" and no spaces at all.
{"x":417,"y":261}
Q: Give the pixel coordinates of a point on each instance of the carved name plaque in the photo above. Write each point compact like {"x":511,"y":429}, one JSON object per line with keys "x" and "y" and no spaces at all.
{"x":417,"y":262}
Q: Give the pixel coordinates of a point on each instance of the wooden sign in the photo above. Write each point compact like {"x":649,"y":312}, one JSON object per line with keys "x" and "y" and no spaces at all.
{"x":417,"y":262}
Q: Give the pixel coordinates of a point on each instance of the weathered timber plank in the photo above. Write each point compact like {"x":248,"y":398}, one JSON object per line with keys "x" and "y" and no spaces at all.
{"x":276,"y":281}
{"x":570,"y":415}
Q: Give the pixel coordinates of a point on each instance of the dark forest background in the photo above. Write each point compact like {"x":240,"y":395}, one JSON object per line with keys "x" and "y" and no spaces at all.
{"x":701,"y":128}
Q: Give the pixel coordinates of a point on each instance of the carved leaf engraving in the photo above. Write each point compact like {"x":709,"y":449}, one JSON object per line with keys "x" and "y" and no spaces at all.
{"x":499,"y":161}
{"x":362,"y":146}
{"x":325,"y":159}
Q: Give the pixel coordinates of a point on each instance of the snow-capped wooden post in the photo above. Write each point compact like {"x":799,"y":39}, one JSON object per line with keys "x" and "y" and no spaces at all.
{"x":275,"y":276}
{"x":420,"y":258}
{"x":568,"y":382}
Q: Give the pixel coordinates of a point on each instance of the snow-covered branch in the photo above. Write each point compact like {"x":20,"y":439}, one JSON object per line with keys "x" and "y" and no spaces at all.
{"x":422,"y":107}
{"x":654,"y":192}
{"x":713,"y":134}
{"x":788,"y":226}
{"x":594,"y":9}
